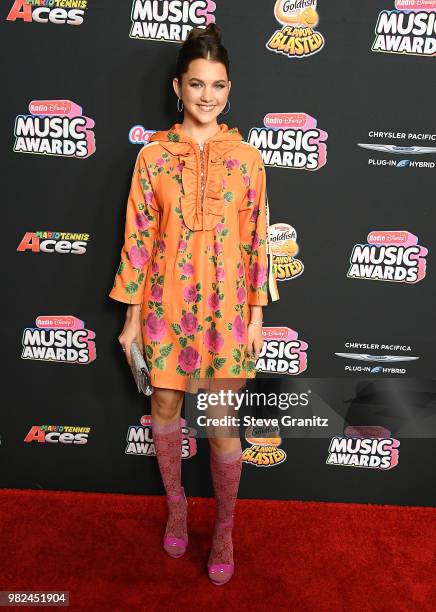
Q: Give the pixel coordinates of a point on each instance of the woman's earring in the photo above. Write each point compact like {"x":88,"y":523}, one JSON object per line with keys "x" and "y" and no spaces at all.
{"x":225,"y":113}
{"x":179,"y":109}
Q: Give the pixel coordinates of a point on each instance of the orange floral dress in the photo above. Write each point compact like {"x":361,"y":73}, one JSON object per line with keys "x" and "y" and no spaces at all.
{"x":196,"y":255}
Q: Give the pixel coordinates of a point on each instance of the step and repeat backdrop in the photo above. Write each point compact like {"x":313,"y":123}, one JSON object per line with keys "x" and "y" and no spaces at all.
{"x":338,"y":97}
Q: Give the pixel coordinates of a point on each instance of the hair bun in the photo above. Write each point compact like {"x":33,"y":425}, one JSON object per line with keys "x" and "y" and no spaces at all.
{"x":211,"y":31}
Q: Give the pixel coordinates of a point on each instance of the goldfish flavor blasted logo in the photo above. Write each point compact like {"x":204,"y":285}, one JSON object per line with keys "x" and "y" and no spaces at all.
{"x":410,"y":29}
{"x":284,"y":248}
{"x":290,"y":140}
{"x":264,"y":450}
{"x":392,"y":256}
{"x":169,"y":20}
{"x":297,"y":36}
{"x":63,"y":339}
{"x":55,"y":127}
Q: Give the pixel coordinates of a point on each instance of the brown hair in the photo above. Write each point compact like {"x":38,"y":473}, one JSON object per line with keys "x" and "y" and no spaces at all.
{"x":202,"y":43}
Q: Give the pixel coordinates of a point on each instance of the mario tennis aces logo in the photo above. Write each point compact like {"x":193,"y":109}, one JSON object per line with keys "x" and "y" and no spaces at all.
{"x":58,"y":12}
{"x":410,"y":30}
{"x":297,"y":37}
{"x":389,"y":256}
{"x":55,"y":127}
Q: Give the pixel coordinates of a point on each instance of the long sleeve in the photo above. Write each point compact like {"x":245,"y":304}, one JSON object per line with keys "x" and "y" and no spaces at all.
{"x":140,"y":232}
{"x":254,"y":241}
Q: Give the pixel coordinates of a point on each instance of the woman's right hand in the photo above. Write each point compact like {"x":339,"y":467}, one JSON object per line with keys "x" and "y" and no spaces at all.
{"x":132,"y":331}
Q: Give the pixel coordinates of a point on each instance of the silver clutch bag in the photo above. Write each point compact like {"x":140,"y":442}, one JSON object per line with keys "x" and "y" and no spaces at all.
{"x":140,"y":370}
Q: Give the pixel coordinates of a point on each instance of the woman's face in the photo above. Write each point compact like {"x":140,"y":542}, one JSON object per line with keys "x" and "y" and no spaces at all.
{"x":204,"y":90}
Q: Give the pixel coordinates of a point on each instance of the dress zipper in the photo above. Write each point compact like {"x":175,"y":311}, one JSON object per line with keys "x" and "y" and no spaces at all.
{"x":201,"y":146}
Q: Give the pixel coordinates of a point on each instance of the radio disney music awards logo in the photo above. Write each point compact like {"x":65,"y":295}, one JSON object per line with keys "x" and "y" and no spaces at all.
{"x":364,"y":446}
{"x":63,"y":339}
{"x":410,"y":29}
{"x":395,"y":156}
{"x":284,"y":248}
{"x":371,"y":363}
{"x":65,"y":243}
{"x":264,"y":448}
{"x":393,"y":256}
{"x":297,"y":36}
{"x":140,"y":439}
{"x":169,"y":20}
{"x":290,"y":140}
{"x":138,"y":134}
{"x":57,"y":12}
{"x":55,"y":127}
{"x":58,"y":434}
{"x":282,"y":352}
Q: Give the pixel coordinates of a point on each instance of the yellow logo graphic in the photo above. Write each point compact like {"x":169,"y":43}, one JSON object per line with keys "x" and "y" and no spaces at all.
{"x":297,"y":37}
{"x":264,"y":451}
{"x":284,"y":248}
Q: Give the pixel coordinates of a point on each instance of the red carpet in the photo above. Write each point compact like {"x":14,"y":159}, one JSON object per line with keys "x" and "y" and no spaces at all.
{"x":105,"y":550}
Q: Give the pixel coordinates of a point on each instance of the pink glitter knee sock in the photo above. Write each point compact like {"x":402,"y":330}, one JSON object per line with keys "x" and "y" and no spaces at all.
{"x":168,"y":444}
{"x":226,"y":474}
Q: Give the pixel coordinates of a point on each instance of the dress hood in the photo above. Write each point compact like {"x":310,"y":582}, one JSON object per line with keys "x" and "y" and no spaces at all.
{"x":176,"y":142}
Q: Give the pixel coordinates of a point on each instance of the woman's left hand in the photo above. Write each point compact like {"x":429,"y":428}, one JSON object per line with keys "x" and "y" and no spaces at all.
{"x":254,"y":340}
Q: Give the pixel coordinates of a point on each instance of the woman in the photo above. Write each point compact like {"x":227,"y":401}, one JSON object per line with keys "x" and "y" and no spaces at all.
{"x":194,"y":272}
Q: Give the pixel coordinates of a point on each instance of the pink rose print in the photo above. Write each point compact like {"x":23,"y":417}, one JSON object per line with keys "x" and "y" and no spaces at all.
{"x":188,"y":323}
{"x":213,"y":301}
{"x":213,"y":340}
{"x":160,"y":162}
{"x":220,"y":273}
{"x":246,"y":180}
{"x":257,"y":275}
{"x":188,"y":269}
{"x":217,"y":247}
{"x":241,"y":293}
{"x":232,"y":163}
{"x":155,"y":267}
{"x":190,"y":293}
{"x":138,"y":256}
{"x":189,"y":359}
{"x":256,"y":242}
{"x":156,"y":293}
{"x":142,"y":222}
{"x":182,"y":245}
{"x":238,"y":329}
{"x":251,"y":195}
{"x":219,"y":227}
{"x":155,"y":327}
{"x":161,"y":245}
{"x":241,"y":271}
{"x":254,"y":213}
{"x":179,"y":167}
{"x":149,"y":197}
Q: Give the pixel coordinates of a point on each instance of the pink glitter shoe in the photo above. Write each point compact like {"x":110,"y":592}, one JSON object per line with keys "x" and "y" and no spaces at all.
{"x":220,"y":573}
{"x":177,"y":506}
